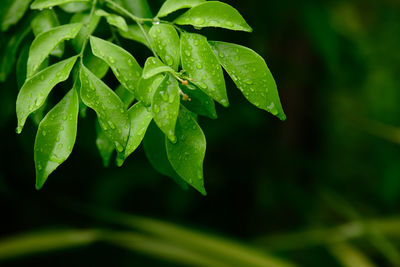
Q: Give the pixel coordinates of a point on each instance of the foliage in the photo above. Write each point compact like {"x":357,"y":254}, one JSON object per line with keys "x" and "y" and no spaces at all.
{"x":180,"y":81}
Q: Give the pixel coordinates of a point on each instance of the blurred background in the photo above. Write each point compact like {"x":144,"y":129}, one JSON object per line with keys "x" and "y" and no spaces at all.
{"x":320,"y":189}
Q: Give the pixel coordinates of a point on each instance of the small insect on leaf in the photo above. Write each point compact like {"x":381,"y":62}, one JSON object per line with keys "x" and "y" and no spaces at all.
{"x":56,"y":137}
{"x":214,"y":14}
{"x":36,"y":89}
{"x":187,"y":154}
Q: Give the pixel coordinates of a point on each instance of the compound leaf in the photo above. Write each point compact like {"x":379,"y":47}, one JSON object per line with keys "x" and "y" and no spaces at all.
{"x":171,"y":6}
{"x":45,"y":42}
{"x":41,"y":4}
{"x":56,"y":137}
{"x":214,"y":14}
{"x":200,"y":63}
{"x":110,"y":110}
{"x":146,"y":89}
{"x":166,"y":42}
{"x":14,"y":13}
{"x":156,"y":153}
{"x":140,"y":119}
{"x":35,"y":90}
{"x":122,"y":63}
{"x":44,"y":21}
{"x":113,"y":19}
{"x":154,"y":66}
{"x":251,"y":75}
{"x":165,"y":106}
{"x":187,"y":154}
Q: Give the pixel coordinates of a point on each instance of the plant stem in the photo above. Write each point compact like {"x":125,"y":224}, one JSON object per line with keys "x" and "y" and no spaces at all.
{"x":87,"y":38}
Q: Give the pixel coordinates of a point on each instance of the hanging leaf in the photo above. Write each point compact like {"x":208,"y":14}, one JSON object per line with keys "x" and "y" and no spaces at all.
{"x":123,"y":64}
{"x":214,"y":14}
{"x":140,"y":119}
{"x":135,"y":33}
{"x":13,"y":13}
{"x":138,"y":8}
{"x":44,"y":21}
{"x":154,"y":66}
{"x":165,"y":41}
{"x":56,"y":137}
{"x":35,"y":90}
{"x":96,"y":65}
{"x":46,"y":42}
{"x":187,"y":154}
{"x":165,"y":106}
{"x":251,"y":75}
{"x":75,"y":7}
{"x":171,"y":6}
{"x":113,"y":19}
{"x":199,"y":102}
{"x":90,"y":23}
{"x":41,"y":4}
{"x":156,"y":153}
{"x":113,"y":118}
{"x":146,"y":89}
{"x":200,"y":63}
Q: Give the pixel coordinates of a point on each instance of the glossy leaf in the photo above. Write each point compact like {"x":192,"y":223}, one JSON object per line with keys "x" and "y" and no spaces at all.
{"x":251,"y":75}
{"x":165,"y":41}
{"x":187,"y":154}
{"x":140,"y":119}
{"x":214,"y":14}
{"x":113,"y":19}
{"x":75,"y":7}
{"x":103,"y":143}
{"x":46,"y":42}
{"x":113,"y":118}
{"x":146,"y":89}
{"x":135,"y":33}
{"x":122,"y":63}
{"x":96,"y":65}
{"x":14,"y":13}
{"x":44,"y":21}
{"x":200,"y":64}
{"x":155,"y":150}
{"x":165,"y":106}
{"x":56,"y":137}
{"x":138,"y":8}
{"x":199,"y":102}
{"x":90,"y":25}
{"x":154,"y":66}
{"x":41,"y":4}
{"x":171,"y":6}
{"x":35,"y":90}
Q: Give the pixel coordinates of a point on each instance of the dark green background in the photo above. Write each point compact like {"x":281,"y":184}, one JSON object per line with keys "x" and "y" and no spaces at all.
{"x":336,"y":159}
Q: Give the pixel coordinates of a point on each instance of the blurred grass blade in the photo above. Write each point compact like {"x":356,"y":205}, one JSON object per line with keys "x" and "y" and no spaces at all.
{"x":350,"y":256}
{"x":43,"y":242}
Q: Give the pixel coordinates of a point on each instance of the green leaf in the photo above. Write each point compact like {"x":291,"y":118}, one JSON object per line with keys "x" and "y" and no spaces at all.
{"x":165,"y":41}
{"x":187,"y":154}
{"x":45,"y":42}
{"x":21,"y":65}
{"x":35,"y":90}
{"x":104,"y":145}
{"x":199,"y":102}
{"x":171,"y":6}
{"x":123,"y":64}
{"x":214,"y":14}
{"x":14,"y":13}
{"x":44,"y":21}
{"x":8,"y":53}
{"x":135,"y":33}
{"x":140,"y":120}
{"x":139,"y":8}
{"x":75,"y":7}
{"x":42,"y":4}
{"x":147,"y":87}
{"x":156,"y":153}
{"x":126,"y":96}
{"x":251,"y":75}
{"x":95,"y":64}
{"x":154,"y":66}
{"x":200,"y":63}
{"x":113,"y":118}
{"x":56,"y":137}
{"x":165,"y":106}
{"x":90,"y":26}
{"x":113,"y":19}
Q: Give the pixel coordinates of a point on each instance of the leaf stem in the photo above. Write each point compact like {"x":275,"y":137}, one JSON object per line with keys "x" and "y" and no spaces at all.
{"x":87,"y":38}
